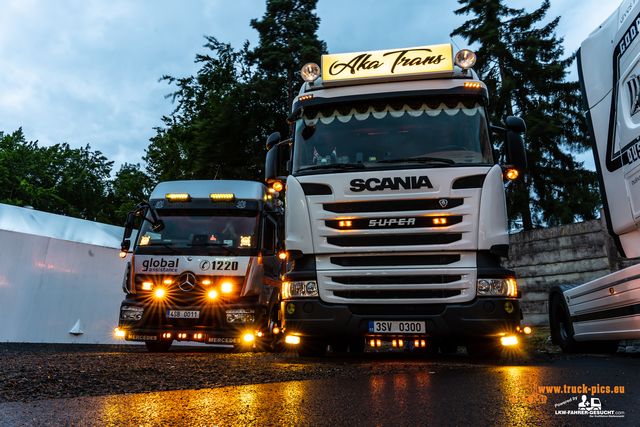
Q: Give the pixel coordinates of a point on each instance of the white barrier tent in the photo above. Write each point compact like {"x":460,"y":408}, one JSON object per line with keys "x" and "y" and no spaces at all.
{"x":60,"y":278}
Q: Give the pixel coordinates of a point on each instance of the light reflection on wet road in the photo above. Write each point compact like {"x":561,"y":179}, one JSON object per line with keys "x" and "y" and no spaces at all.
{"x":452,"y":396}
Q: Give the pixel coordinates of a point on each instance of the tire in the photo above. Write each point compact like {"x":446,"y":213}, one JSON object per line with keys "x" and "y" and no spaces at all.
{"x":485,"y":349}
{"x":356,"y":345}
{"x":562,"y":328}
{"x":562,"y":333}
{"x":311,"y":348}
{"x":158,"y":346}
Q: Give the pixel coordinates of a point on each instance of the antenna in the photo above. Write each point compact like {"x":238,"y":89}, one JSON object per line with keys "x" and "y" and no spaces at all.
{"x":454,"y":43}
{"x":214,"y":178}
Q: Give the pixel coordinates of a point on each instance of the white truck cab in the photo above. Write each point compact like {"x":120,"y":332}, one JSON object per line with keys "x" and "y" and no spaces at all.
{"x":395,"y":212}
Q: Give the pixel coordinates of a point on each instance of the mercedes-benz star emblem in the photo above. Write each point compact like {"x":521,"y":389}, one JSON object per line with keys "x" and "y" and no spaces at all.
{"x":187,"y":282}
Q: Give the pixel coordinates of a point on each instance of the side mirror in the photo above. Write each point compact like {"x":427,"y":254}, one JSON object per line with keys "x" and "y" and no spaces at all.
{"x":125,"y":245}
{"x":515,"y":124}
{"x":273,"y":139}
{"x":276,"y":165}
{"x":128,"y":224}
{"x":516,"y":154}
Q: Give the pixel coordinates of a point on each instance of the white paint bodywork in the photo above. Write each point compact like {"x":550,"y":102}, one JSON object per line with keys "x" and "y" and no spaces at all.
{"x":606,"y":308}
{"x":484,"y":224}
{"x":54,"y":272}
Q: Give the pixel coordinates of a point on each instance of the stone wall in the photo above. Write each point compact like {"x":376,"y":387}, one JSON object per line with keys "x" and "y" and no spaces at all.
{"x":569,"y":254}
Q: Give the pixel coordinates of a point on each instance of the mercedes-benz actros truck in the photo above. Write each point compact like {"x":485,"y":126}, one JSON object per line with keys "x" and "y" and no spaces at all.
{"x":204,"y":266}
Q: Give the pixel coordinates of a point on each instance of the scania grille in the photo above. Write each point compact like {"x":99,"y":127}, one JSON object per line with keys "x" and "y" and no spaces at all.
{"x":394,"y":260}
{"x":391,"y":223}
{"x":394,"y":205}
{"x":396,"y":280}
{"x":398,"y":294}
{"x":395,"y":240}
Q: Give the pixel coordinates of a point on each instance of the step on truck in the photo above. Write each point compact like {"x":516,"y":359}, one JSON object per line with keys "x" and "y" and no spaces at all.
{"x":594,"y":316}
{"x":204,"y":266}
{"x":395,"y":211}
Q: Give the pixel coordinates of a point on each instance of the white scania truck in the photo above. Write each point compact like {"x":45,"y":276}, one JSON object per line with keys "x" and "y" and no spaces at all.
{"x":204,"y":266}
{"x":395,"y":212}
{"x":596,"y":315}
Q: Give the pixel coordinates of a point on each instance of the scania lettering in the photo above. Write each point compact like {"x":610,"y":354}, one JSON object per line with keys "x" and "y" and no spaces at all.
{"x":204,"y":266}
{"x":595,"y":316}
{"x":395,"y":211}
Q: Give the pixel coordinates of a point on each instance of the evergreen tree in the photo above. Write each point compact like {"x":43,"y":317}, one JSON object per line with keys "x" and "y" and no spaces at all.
{"x":225,"y":113}
{"x":525,"y":74}
{"x":288,"y":40}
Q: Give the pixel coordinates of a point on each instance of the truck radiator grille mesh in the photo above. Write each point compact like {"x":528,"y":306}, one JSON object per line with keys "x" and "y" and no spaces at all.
{"x":398,"y":294}
{"x":394,"y":205}
{"x":395,"y":240}
{"x":394,"y":260}
{"x":396,"y":280}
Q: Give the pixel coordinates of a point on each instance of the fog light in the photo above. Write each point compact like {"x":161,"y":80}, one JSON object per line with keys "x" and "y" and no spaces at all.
{"x":159,"y":293}
{"x":527,"y":330}
{"x":226,"y":287}
{"x":118,"y":332}
{"x":508,"y":307}
{"x":291,"y":308}
{"x":292,"y":339}
{"x":146,"y":286}
{"x":509,"y":341}
{"x":212,"y":294}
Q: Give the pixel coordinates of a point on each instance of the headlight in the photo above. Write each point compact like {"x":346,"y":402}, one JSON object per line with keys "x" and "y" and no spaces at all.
{"x":301,"y":289}
{"x":131,"y":313}
{"x":241,"y":315}
{"x":497,"y":287}
{"x":465,"y":59}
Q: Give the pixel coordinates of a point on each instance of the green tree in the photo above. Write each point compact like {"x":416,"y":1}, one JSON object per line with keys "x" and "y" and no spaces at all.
{"x":224,"y":114}
{"x":129,"y":187}
{"x":288,"y":40}
{"x":525,"y":73}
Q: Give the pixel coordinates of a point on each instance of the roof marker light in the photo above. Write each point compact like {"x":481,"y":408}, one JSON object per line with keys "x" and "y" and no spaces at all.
{"x":178,"y":197}
{"x":222,"y":197}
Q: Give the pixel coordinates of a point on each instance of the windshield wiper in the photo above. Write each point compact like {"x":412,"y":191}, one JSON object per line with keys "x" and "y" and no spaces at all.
{"x":419,"y":159}
{"x":166,"y":245}
{"x":335,"y":166}
{"x":221,"y":245}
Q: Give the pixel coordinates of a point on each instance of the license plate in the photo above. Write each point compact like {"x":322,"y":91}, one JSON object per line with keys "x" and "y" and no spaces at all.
{"x":183,"y":314}
{"x":394,"y":327}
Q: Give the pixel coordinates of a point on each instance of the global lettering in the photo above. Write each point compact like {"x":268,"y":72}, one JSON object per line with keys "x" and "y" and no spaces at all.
{"x":408,"y":61}
{"x":375,"y":184}
{"x":160,"y":265}
{"x":360,"y":62}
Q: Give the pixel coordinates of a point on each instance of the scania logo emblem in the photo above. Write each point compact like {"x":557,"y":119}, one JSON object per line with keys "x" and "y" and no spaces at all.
{"x":443,"y":202}
{"x":187,"y":282}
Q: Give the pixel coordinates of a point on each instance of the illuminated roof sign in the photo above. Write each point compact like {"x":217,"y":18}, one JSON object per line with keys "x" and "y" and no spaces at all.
{"x":386,"y":65}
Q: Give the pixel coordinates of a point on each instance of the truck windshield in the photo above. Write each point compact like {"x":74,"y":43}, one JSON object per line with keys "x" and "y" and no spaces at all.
{"x":440,"y":132}
{"x":201,"y":231}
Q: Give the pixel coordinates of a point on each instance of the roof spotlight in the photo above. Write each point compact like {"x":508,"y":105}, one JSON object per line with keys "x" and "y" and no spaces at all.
{"x":310,"y":72}
{"x":465,"y":59}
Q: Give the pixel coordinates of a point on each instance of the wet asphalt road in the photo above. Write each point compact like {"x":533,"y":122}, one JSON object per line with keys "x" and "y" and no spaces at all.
{"x":454,"y":394}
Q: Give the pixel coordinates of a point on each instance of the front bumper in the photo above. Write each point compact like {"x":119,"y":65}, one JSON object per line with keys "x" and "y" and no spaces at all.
{"x":210,"y":327}
{"x":482,"y":317}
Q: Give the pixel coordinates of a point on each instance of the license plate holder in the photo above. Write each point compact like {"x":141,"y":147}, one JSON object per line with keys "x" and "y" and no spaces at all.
{"x":396,"y":327}
{"x":183,"y":314}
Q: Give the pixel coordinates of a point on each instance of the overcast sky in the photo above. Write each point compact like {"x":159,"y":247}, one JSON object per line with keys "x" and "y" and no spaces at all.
{"x":86,"y":71}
